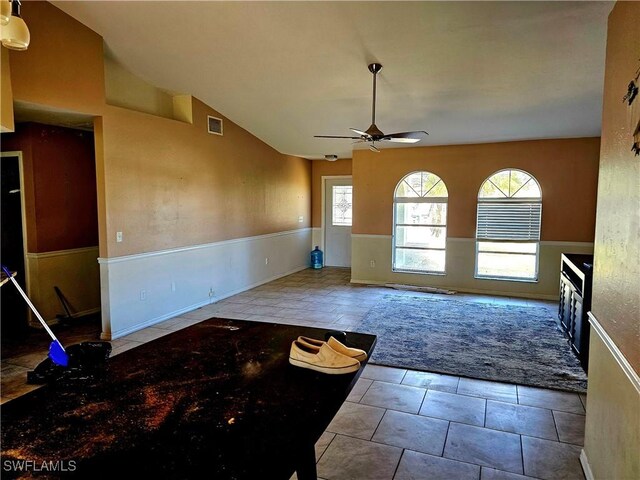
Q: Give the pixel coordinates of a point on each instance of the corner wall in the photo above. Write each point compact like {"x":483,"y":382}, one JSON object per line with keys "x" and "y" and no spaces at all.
{"x":612,"y":436}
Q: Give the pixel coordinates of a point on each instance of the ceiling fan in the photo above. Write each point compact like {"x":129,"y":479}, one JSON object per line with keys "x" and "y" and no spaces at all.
{"x":373,"y":134}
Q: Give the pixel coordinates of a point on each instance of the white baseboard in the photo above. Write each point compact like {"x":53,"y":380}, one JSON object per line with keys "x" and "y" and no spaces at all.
{"x":153,"y":321}
{"x":586,"y":468}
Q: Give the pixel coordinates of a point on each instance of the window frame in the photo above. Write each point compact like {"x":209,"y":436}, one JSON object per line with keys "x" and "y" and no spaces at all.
{"x":423,"y":199}
{"x":516,"y":200}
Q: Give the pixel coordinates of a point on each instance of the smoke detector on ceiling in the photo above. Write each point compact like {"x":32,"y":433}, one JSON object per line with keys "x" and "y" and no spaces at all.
{"x":331,"y":158}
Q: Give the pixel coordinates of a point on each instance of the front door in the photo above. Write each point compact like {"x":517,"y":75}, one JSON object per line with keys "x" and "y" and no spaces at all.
{"x":338,"y":216}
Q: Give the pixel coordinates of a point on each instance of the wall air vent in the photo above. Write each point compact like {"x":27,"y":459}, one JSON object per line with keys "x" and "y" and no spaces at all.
{"x":214,"y":125}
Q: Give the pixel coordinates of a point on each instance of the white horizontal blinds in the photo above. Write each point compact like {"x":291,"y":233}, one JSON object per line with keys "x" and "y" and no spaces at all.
{"x":511,"y":221}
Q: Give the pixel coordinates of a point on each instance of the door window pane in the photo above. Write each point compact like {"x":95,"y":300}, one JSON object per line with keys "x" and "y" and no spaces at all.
{"x":342,"y":205}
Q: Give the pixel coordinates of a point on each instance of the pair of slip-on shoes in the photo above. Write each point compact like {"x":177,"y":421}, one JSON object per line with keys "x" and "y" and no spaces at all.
{"x":330,"y":357}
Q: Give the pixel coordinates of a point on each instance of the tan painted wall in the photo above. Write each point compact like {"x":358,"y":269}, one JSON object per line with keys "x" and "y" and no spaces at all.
{"x":566,"y":169}
{"x":63,"y":67}
{"x":75,"y":272}
{"x":170,"y":184}
{"x":616,"y":292}
{"x":6,"y":95}
{"x":127,"y":90}
{"x":319,"y":169}
{"x":612,"y":437}
{"x":612,"y":428}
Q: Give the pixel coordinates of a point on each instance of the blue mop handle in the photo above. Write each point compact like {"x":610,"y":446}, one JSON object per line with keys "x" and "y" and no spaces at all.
{"x":33,"y":309}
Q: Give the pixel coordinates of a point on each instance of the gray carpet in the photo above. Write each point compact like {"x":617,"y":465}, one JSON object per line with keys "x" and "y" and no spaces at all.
{"x":503,"y":343}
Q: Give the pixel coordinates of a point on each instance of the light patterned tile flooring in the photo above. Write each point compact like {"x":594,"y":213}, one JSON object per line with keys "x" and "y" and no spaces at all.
{"x":397,"y":423}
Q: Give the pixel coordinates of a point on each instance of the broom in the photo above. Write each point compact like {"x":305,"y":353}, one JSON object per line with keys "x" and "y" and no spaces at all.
{"x":57,"y":352}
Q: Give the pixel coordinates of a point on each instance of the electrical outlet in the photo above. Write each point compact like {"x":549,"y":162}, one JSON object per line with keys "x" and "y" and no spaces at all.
{"x":266,"y":261}
{"x":118,"y":237}
{"x":211,"y":292}
{"x":372,"y":264}
{"x":300,"y":219}
{"x":173,"y":286}
{"x":143,"y":295}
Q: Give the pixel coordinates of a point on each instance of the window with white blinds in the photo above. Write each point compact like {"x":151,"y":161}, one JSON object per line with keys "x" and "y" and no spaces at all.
{"x":508,"y":226}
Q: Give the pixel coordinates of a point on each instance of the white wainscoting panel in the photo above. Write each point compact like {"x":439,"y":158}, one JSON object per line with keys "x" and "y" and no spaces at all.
{"x":141,"y":290}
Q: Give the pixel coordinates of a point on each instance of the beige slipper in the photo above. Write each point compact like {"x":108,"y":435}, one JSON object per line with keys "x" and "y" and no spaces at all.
{"x":356,"y":353}
{"x":322,"y":359}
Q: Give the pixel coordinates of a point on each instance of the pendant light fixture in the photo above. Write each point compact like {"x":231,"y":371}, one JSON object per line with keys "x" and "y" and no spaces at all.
{"x":5,"y":12}
{"x":15,"y":34}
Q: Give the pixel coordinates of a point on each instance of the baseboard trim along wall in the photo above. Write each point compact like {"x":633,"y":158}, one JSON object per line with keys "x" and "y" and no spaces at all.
{"x":144,"y":289}
{"x":586,"y":468}
{"x":624,"y":364}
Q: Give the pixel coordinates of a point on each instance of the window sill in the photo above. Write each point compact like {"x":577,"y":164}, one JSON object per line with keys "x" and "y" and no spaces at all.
{"x":417,"y":272}
{"x":507,"y":279}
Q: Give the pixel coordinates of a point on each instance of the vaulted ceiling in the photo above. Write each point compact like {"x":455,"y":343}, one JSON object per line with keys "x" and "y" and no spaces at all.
{"x":466,"y":72}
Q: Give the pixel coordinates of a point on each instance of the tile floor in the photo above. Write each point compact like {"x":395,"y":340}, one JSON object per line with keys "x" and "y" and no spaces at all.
{"x":396,"y":423}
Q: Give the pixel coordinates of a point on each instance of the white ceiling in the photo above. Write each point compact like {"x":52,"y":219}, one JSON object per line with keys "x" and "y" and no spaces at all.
{"x":466,"y":72}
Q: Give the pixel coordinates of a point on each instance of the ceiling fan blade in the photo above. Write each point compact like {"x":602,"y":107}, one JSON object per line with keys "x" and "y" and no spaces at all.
{"x":399,"y":140}
{"x":373,"y":148}
{"x":405,"y":137}
{"x":336,"y":136}
{"x":359,"y":132}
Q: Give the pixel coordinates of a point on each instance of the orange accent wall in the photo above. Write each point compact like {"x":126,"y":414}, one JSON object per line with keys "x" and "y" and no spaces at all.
{"x":566,"y":169}
{"x":63,"y":66}
{"x":169,"y":184}
{"x":319,"y":169}
{"x":60,"y":186}
{"x":616,"y":277}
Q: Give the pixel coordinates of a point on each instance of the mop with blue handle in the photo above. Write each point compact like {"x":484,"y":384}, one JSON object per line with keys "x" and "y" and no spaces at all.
{"x":57,"y":352}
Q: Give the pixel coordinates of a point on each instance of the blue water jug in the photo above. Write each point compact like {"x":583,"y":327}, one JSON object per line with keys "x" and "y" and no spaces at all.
{"x":316,"y":258}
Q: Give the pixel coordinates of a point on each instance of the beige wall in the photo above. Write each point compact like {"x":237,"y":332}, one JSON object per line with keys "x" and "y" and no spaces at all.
{"x":6,"y":95}
{"x":567,"y":171}
{"x":63,"y":67}
{"x":124,"y":89}
{"x":171,"y":184}
{"x":612,"y":438}
{"x":616,"y":291}
{"x":319,"y":169}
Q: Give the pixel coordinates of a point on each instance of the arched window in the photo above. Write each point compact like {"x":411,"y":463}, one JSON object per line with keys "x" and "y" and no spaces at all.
{"x":508,"y":226}
{"x":420,"y":224}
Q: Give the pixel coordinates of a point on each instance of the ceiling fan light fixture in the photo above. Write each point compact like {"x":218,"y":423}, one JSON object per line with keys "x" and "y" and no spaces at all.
{"x":15,"y":34}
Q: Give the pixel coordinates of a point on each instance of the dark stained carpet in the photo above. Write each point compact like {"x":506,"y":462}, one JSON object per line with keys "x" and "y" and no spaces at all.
{"x":504,"y":343}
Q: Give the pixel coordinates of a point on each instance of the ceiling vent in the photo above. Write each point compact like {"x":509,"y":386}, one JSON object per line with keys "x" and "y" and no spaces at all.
{"x":214,"y":125}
